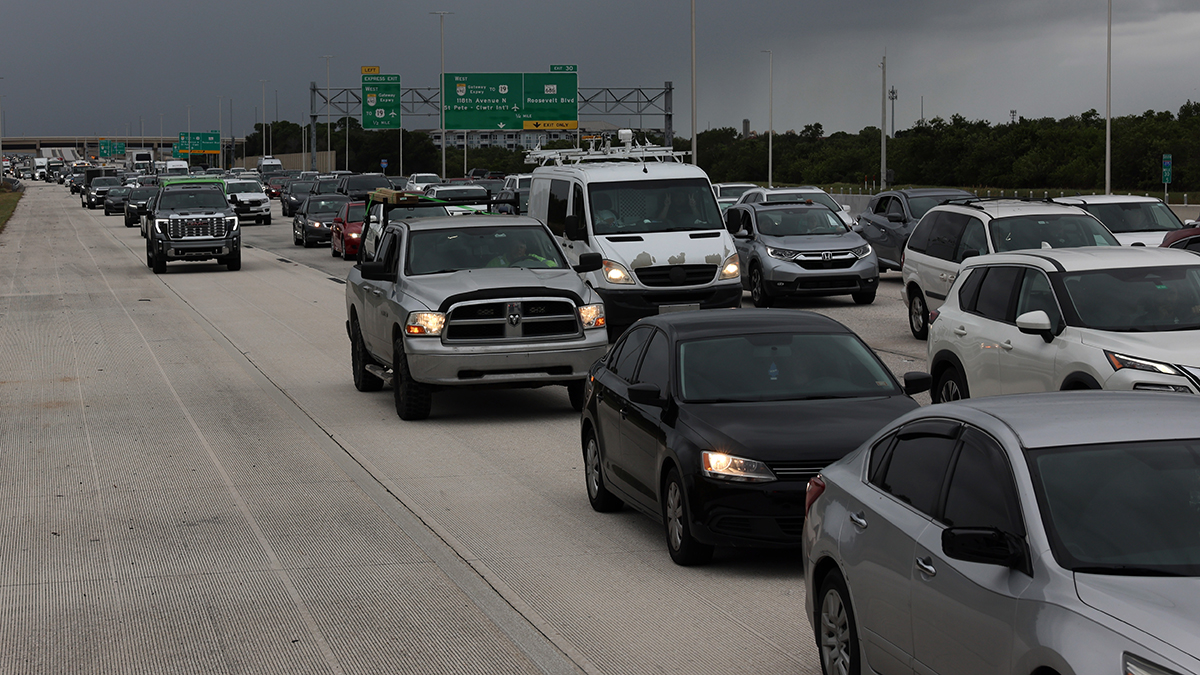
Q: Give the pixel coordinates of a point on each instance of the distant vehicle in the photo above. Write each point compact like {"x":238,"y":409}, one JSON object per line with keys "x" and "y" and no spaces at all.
{"x":419,"y":181}
{"x":1132,"y":219}
{"x":192,"y":220}
{"x":175,"y":167}
{"x":347,"y":230}
{"x":268,"y":164}
{"x":293,"y":196}
{"x":40,"y":168}
{"x":758,"y":195}
{"x":474,"y":174}
{"x":140,"y":159}
{"x":248,"y":200}
{"x":115,"y":198}
{"x":97,"y":187}
{"x":135,"y":205}
{"x":995,"y":536}
{"x":458,"y":192}
{"x":313,"y":222}
{"x":358,"y":187}
{"x":731,"y":190}
{"x":1187,"y":238}
{"x":891,"y":216}
{"x":518,"y":181}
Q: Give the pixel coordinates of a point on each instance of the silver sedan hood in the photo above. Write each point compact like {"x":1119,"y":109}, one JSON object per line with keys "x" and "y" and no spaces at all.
{"x":1167,"y":608}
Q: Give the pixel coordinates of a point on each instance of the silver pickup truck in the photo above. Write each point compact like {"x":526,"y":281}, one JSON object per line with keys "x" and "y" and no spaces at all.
{"x":477,"y":300}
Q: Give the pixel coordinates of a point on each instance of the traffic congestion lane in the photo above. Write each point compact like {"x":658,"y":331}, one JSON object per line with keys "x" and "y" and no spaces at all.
{"x":165,"y":512}
{"x":498,"y":475}
{"x":277,"y":239}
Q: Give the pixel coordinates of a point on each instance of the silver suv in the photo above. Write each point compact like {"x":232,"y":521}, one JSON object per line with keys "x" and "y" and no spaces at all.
{"x":949,"y":234}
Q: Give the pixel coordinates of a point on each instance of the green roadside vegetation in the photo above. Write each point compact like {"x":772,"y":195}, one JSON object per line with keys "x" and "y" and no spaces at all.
{"x":8,"y":204}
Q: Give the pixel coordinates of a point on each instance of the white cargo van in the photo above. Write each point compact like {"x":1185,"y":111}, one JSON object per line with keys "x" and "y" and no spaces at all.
{"x":176,"y":167}
{"x":651,"y":217}
{"x":268,"y":164}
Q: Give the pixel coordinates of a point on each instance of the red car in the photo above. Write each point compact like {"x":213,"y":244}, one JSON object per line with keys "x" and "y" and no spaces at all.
{"x":1188,"y":237}
{"x":347,"y":229}
{"x":275,"y":187}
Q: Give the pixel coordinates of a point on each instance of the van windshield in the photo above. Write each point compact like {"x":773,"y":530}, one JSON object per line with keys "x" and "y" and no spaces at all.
{"x":654,"y":206}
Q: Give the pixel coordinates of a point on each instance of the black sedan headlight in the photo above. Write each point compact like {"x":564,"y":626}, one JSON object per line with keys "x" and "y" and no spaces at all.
{"x":732,"y":468}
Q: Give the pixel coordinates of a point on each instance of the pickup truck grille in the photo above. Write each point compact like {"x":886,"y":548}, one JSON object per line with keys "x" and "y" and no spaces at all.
{"x":516,"y":319}
{"x":676,"y":275}
{"x":181,"y":228}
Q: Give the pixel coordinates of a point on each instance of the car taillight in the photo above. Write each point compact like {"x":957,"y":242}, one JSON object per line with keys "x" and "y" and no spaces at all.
{"x":933,"y":315}
{"x":816,"y":485}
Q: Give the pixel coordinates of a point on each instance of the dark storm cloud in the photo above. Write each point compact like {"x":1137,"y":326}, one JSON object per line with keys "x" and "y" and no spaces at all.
{"x":101,"y":71}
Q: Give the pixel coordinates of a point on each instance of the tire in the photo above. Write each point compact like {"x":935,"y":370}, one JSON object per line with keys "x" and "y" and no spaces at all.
{"x":599,"y":497}
{"x":234,"y":262}
{"x":360,"y":359}
{"x":308,"y":243}
{"x":863,"y":298}
{"x":950,"y":386}
{"x":576,"y":393}
{"x":837,"y":629}
{"x":413,"y":399}
{"x":107,"y":213}
{"x":918,"y":316}
{"x":333,"y":251}
{"x":158,"y":264}
{"x":149,"y":255}
{"x":295,"y":239}
{"x":682,"y":546}
{"x":267,"y":220}
{"x":758,"y":288}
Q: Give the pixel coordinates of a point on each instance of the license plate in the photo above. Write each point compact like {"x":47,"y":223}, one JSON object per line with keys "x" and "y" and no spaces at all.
{"x":690,"y":307}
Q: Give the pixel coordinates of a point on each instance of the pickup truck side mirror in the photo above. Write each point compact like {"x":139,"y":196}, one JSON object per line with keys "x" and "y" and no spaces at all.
{"x":574,"y":229}
{"x":589,"y":262}
{"x":376,"y":271}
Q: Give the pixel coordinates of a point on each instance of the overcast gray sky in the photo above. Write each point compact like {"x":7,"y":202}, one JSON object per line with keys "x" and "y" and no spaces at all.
{"x":72,"y":69}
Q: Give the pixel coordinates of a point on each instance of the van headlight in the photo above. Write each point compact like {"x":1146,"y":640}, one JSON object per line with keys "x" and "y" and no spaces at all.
{"x":615,"y":273}
{"x":592,"y":316}
{"x":731,"y":268}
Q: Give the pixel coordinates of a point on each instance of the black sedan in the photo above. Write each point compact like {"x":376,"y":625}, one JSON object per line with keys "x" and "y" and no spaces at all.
{"x":135,"y":205}
{"x":293,"y":196}
{"x":891,"y":216}
{"x":313,"y":223}
{"x":115,"y":198}
{"x":713,"y":421}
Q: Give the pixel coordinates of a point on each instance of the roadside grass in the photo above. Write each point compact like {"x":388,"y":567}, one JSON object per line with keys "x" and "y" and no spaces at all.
{"x":8,"y":204}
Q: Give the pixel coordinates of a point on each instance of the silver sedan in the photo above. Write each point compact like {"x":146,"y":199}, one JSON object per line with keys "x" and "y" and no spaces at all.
{"x":1045,"y":533}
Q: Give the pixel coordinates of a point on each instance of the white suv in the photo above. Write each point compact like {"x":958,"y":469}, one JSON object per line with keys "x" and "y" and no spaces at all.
{"x":1125,"y":318}
{"x":1133,"y":219}
{"x":949,"y":234}
{"x":758,"y":195}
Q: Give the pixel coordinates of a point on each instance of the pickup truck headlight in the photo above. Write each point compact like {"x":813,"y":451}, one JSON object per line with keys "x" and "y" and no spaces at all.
{"x":231,"y":223}
{"x":425,"y":323}
{"x":159,"y":225}
{"x":615,"y":273}
{"x":592,"y":316}
{"x":739,"y":469}
{"x":731,"y":268}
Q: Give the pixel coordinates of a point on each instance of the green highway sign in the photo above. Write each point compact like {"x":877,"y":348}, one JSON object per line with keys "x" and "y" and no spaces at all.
{"x":200,"y":142}
{"x":564,"y":69}
{"x":477,"y":101}
{"x":1166,"y":170}
{"x":381,"y":98}
{"x":105,"y":148}
{"x":118,"y":149}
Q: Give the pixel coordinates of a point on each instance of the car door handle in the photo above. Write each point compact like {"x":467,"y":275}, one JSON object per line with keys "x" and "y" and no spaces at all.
{"x":926,"y":567}
{"x":858,"y":520}
{"x":960,"y":331}
{"x":1006,"y":345}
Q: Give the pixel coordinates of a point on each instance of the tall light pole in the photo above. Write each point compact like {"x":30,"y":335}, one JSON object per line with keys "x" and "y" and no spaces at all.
{"x":695,"y":142}
{"x":2,"y":134}
{"x":328,"y":105}
{"x":274,"y":121}
{"x":442,"y":84}
{"x":883,"y":127}
{"x":1108,"y":111}
{"x":264,"y":117}
{"x":770,"y":118}
{"x":220,"y":134}
{"x":189,"y":139}
{"x":160,"y":137}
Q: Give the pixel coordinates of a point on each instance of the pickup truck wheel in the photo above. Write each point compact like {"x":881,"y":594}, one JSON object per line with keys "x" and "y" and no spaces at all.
{"x":157,"y":262}
{"x":267,"y":220}
{"x":413,"y":399}
{"x":234,"y":262}
{"x":575,"y":393}
{"x":359,"y":360}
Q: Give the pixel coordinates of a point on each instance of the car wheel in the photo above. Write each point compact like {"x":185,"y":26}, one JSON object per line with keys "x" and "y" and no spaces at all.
{"x":918,"y":316}
{"x":575,"y":392}
{"x":295,"y":237}
{"x":149,"y":255}
{"x":360,"y":359}
{"x":158,"y":263}
{"x":333,"y":251}
{"x":308,"y":243}
{"x":600,"y":498}
{"x":951,"y":386}
{"x":413,"y":399}
{"x":758,"y":288}
{"x":234,"y":262}
{"x":107,"y":213}
{"x":837,"y":630}
{"x":684,"y":548}
{"x":267,"y":220}
{"x":863,"y":298}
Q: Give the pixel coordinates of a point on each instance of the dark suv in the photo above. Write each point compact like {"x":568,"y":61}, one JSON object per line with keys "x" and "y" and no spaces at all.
{"x":358,"y":187}
{"x":193,"y":221}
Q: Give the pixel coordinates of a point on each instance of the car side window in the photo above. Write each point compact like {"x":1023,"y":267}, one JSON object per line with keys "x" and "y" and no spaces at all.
{"x":916,"y":466}
{"x":556,"y":208}
{"x":996,"y":292}
{"x":656,"y":364}
{"x":626,"y":361}
{"x":880,"y":206}
{"x":1036,"y":294}
{"x":919,"y":239}
{"x":982,"y":491}
{"x":973,"y":239}
{"x":968,"y":291}
{"x":748,"y":222}
{"x":947,"y":230}
{"x":878,"y":452}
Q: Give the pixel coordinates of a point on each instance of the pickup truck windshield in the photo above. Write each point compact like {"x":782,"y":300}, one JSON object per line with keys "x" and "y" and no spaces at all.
{"x":193,"y":200}
{"x":641,"y":206}
{"x":471,"y":248}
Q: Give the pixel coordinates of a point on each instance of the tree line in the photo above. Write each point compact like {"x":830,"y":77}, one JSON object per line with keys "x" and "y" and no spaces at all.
{"x":1043,"y":153}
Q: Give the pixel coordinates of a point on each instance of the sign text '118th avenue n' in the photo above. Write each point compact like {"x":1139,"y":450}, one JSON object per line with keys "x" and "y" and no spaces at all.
{"x":510,"y":101}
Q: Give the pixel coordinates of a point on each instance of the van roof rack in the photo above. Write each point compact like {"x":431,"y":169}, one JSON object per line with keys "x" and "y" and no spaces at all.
{"x":630,"y":150}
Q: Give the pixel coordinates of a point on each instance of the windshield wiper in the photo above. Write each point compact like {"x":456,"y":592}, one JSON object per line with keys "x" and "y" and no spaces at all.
{"x":1127,"y":570}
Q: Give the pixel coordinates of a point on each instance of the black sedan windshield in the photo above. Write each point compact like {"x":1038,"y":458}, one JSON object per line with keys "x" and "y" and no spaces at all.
{"x":324,"y":205}
{"x":780,"y":367}
{"x":1125,"y":508}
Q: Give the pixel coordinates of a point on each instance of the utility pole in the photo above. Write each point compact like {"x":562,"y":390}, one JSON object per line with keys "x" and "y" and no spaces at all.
{"x":1108,"y":111}
{"x":220,"y":134}
{"x":442,"y":84}
{"x":271,"y":145}
{"x":695,"y":136}
{"x":189,"y":139}
{"x":892,"y":97}
{"x":770,"y":118}
{"x":328,"y":104}
{"x":1012,"y":116}
{"x":883,"y":127}
{"x":264,"y":117}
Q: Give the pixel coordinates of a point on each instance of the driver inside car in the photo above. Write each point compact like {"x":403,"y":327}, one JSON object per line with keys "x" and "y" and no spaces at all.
{"x":517,"y":251}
